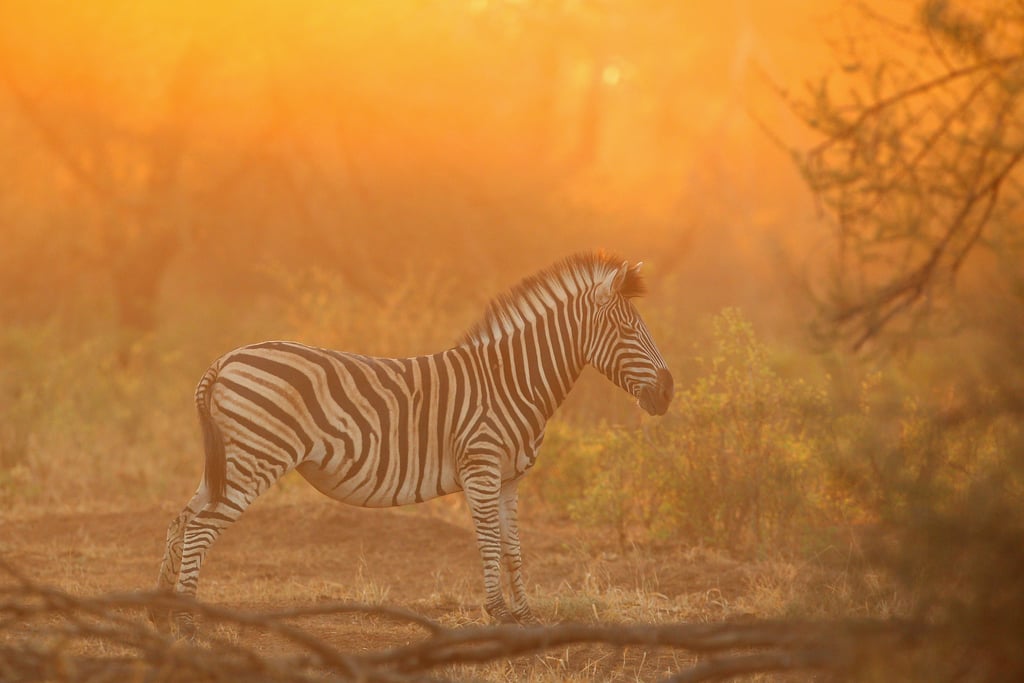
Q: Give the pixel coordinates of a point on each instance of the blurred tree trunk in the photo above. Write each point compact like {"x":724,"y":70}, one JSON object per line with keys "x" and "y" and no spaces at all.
{"x":141,"y":258}
{"x":140,"y":220}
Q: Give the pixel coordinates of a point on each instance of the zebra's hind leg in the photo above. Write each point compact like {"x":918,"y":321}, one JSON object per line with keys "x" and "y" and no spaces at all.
{"x":482,"y":496}
{"x":199,"y":534}
{"x":511,"y":555}
{"x":171,"y":564}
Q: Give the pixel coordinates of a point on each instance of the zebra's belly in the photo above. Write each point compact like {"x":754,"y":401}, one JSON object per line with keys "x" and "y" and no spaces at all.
{"x":370,"y":489}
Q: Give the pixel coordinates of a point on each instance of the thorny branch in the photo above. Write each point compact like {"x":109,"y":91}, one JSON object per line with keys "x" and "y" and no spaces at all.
{"x":919,"y":162}
{"x":47,"y":634}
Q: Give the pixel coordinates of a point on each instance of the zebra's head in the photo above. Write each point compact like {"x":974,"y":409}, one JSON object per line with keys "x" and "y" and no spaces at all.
{"x":619,"y":344}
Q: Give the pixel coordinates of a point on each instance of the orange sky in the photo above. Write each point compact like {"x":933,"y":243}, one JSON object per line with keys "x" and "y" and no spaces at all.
{"x":450,"y":77}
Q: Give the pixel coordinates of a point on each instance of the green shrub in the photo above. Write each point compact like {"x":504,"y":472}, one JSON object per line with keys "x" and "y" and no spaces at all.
{"x":732,"y":464}
{"x":735,"y":461}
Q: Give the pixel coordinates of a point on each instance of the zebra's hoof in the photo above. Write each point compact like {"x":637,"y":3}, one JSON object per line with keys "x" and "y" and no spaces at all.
{"x":500,"y":614}
{"x":526,"y":617}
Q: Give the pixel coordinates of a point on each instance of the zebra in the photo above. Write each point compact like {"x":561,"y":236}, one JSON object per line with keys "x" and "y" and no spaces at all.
{"x":381,"y":432}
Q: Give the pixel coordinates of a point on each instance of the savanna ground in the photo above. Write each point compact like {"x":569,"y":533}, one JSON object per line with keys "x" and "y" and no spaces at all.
{"x":296,"y":548}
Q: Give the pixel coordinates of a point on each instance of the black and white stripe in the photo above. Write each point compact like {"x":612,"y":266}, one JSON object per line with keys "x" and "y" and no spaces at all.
{"x":380,"y":432}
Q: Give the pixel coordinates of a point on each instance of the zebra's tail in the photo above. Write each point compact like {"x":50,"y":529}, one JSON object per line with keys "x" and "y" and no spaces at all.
{"x":213,"y":440}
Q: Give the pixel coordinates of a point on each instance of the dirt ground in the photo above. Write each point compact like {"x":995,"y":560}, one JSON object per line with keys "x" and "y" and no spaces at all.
{"x":297,"y":550}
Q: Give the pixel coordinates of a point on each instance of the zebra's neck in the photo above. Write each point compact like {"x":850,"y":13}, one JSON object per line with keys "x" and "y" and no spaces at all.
{"x":539,"y":329}
{"x":534,"y":367}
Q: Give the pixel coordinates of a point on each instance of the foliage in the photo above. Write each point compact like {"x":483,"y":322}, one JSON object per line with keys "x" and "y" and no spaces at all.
{"x":731,"y":465}
{"x":734,"y":460}
{"x":86,"y":412}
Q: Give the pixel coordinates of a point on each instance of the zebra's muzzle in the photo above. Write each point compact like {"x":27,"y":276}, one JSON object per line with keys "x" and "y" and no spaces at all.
{"x":655,"y":397}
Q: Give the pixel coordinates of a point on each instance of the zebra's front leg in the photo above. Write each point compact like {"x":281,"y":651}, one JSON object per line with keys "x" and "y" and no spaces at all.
{"x":482,"y":489}
{"x":511,"y":555}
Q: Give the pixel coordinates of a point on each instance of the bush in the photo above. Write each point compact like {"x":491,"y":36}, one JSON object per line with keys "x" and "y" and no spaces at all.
{"x":734,"y":458}
{"x":732,"y":464}
{"x":92,"y":411}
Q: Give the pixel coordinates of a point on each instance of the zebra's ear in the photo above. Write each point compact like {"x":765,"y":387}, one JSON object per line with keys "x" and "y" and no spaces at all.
{"x":633,"y":283}
{"x":613,"y":283}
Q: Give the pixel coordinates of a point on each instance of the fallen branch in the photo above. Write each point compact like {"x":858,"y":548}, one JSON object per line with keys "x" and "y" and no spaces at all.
{"x":43,"y":629}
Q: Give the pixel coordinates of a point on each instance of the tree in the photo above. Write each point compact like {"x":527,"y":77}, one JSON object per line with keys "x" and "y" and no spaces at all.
{"x":920,"y":161}
{"x":920,"y":168}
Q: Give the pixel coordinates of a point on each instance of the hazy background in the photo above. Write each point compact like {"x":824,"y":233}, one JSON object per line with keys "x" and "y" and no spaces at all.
{"x":160,"y":158}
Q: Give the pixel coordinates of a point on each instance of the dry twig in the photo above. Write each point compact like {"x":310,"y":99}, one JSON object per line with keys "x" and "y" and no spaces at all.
{"x":42,"y":629}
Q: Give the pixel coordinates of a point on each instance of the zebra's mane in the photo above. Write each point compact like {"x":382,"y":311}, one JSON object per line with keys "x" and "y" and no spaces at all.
{"x":559,"y":282}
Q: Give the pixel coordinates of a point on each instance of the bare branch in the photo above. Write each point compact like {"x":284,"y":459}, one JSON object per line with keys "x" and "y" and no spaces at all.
{"x":919,"y":89}
{"x":916,"y":169}
{"x":38,"y":624}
